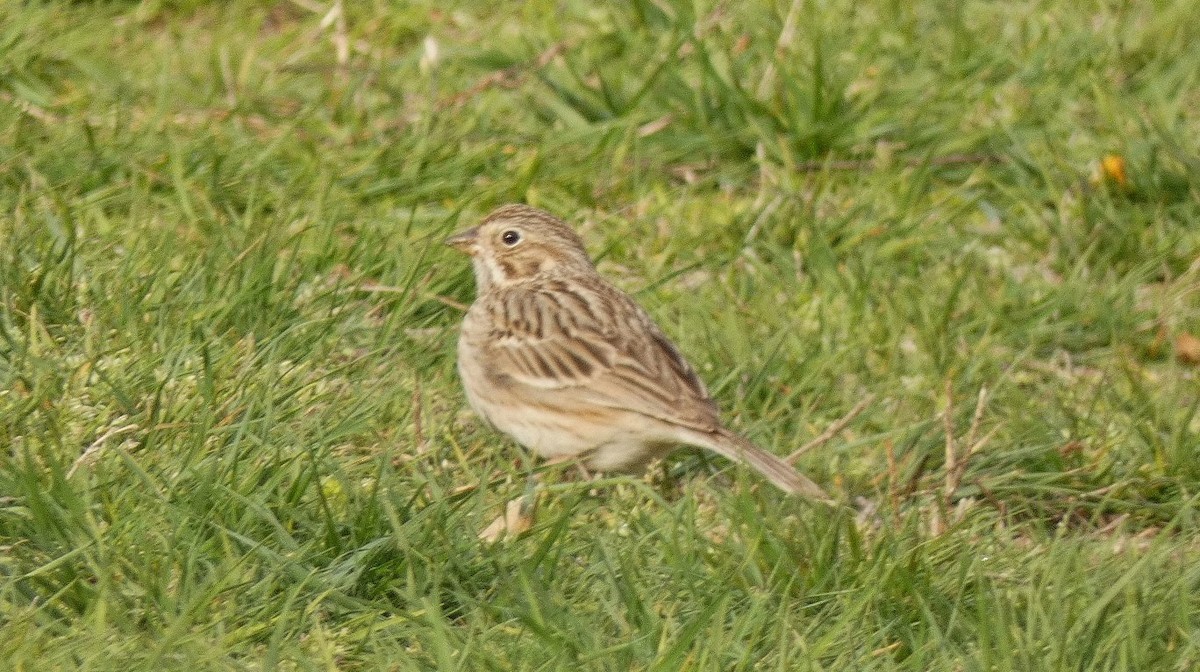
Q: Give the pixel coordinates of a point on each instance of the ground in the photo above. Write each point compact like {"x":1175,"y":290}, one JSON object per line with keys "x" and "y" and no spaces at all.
{"x":232,"y":434}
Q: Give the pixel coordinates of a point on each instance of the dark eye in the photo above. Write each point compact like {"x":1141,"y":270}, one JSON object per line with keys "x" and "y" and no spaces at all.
{"x":510,"y":237}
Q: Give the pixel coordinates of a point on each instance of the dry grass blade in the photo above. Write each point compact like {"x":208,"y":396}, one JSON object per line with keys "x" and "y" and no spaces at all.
{"x":833,"y":429}
{"x":951,"y":457}
{"x":787,"y":35}
{"x":90,"y":454}
{"x":871,"y":164}
{"x":507,"y":78}
{"x":957,"y":461}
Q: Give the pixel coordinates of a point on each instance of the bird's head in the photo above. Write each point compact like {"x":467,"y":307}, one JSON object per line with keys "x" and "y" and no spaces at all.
{"x":516,"y":243}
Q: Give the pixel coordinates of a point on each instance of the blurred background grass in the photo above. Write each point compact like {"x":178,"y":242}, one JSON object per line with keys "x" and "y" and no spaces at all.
{"x":233,"y":437}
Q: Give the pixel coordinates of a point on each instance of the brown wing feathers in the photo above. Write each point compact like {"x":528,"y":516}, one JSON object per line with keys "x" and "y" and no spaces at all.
{"x":568,"y":339}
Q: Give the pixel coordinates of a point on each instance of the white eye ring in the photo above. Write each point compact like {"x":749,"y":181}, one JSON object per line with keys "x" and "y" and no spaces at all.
{"x":510,"y":237}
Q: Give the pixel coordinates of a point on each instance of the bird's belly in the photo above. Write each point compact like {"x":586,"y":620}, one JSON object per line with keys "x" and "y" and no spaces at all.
{"x":549,"y":429}
{"x":552,"y":434}
{"x":557,"y":424}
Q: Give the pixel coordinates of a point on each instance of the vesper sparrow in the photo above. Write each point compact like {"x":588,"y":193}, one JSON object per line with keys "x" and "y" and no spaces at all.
{"x":571,"y":367}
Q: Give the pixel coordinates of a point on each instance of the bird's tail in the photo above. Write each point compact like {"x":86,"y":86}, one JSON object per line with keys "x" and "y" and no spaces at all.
{"x":739,"y":449}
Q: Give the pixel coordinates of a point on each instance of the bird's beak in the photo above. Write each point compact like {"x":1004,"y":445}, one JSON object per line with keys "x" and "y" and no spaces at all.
{"x":463,"y":241}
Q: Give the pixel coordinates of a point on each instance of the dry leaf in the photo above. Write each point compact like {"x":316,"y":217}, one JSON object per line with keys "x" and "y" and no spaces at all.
{"x":1071,"y":448}
{"x":517,"y":518}
{"x":1187,"y":348}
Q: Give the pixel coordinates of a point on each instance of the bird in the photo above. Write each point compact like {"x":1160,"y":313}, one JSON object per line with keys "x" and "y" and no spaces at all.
{"x":558,"y":358}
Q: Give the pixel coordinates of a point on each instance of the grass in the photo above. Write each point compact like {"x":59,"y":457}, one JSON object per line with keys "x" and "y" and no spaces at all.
{"x":232,"y":433}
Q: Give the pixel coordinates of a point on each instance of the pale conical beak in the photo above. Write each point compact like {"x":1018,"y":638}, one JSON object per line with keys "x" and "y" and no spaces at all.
{"x":463,"y":241}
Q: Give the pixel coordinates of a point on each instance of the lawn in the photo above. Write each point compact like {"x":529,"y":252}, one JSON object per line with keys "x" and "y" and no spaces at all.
{"x":231,"y":432}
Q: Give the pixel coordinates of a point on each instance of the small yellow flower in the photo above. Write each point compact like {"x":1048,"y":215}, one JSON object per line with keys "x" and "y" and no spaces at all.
{"x":1112,"y":167}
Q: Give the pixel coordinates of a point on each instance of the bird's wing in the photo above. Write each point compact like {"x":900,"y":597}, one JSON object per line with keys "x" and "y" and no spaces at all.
{"x":592,"y":342}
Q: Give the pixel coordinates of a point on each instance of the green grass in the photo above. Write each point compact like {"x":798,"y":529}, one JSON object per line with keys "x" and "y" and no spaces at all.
{"x":232,"y":434}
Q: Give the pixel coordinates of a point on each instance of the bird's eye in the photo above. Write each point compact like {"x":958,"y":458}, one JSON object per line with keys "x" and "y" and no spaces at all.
{"x":510,"y":237}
